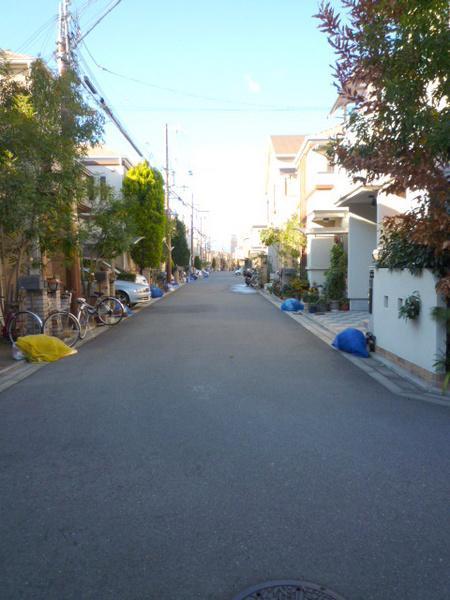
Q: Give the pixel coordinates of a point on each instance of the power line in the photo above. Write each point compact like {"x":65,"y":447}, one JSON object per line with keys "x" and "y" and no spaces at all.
{"x":210,"y":109}
{"x":190,"y":94}
{"x":108,"y":10}
{"x":38,"y":32}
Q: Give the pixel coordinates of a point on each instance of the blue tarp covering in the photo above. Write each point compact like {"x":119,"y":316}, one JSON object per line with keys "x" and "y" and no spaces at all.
{"x":156,"y":292}
{"x":353,"y":341}
{"x":292,"y":305}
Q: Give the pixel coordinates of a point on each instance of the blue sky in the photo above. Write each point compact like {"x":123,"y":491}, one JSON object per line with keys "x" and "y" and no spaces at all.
{"x":239,"y":56}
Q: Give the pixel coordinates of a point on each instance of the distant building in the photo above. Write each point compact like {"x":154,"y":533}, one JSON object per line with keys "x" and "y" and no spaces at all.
{"x":281,"y":186}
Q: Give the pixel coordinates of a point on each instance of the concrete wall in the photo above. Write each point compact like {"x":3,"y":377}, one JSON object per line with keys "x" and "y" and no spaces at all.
{"x":318,"y":257}
{"x":389,"y":205}
{"x":416,"y":341}
{"x":362,"y":240}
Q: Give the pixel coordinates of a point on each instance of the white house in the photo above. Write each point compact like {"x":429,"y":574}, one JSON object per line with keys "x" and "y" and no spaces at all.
{"x":281,"y":193}
{"x":109,"y":167}
{"x":411,"y":343}
{"x":320,"y":185}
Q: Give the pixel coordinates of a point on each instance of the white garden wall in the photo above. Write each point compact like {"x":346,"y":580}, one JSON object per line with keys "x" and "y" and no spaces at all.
{"x":416,"y":341}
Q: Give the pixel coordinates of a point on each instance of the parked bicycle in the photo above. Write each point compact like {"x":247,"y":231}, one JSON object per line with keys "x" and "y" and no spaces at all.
{"x":17,"y":323}
{"x":63,"y":324}
{"x":107,"y":309}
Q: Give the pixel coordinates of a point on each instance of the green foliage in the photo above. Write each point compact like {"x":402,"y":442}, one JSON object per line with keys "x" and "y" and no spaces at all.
{"x":401,"y":50}
{"x":399,"y":251}
{"x":45,"y":127}
{"x":197,"y":262}
{"x":336,"y":275}
{"x":106,"y":230}
{"x":180,"y":252}
{"x":410,"y":309}
{"x":270,"y":236}
{"x":312,"y":296}
{"x":143,"y":192}
{"x":290,"y":239}
{"x":393,"y":65}
{"x":296,"y":288}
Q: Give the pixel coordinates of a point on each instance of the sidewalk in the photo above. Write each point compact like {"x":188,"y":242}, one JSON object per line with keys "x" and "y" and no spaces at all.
{"x":12,"y":371}
{"x":394,"y":378}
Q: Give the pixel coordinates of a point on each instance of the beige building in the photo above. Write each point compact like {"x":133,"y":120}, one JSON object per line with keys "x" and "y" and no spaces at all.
{"x":281,"y":192}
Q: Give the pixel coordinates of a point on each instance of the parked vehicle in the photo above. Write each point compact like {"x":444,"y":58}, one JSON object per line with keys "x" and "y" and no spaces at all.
{"x":252,"y":278}
{"x":131,"y":293}
{"x":63,"y":324}
{"x":141,"y":279}
{"x":107,"y":309}
{"x":20,"y":323}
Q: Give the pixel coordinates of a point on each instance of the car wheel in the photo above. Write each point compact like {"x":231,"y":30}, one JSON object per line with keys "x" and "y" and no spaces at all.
{"x":124,"y":298}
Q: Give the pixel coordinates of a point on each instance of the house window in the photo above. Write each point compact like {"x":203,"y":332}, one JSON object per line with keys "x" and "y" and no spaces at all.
{"x":386,"y":302}
{"x":103,"y":188}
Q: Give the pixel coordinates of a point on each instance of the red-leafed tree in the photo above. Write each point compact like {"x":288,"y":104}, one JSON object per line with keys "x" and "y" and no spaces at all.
{"x":392,"y":65}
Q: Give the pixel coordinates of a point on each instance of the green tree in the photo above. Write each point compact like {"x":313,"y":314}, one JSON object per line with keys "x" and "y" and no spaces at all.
{"x":336,"y":274}
{"x":180,"y":252}
{"x":45,"y":127}
{"x":143,"y":192}
{"x":214,"y":263}
{"x":106,"y":230}
{"x":289,"y":239}
{"x":197,"y":262}
{"x":392,"y":66}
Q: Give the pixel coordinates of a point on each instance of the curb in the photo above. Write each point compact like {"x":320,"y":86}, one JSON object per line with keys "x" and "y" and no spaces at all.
{"x":15,"y":372}
{"x":390,"y":376}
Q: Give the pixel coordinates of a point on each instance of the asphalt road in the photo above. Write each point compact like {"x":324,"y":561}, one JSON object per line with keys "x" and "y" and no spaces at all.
{"x":207,"y":444}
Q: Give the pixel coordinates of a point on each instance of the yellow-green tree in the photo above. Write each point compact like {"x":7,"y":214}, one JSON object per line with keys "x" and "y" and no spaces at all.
{"x":143,"y":192}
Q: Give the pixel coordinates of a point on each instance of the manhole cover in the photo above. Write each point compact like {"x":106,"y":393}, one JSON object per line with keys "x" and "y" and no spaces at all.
{"x":288,"y":590}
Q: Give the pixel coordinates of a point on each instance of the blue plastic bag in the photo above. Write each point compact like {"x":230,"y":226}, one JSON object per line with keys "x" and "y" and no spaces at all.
{"x":292,"y":305}
{"x":353,"y":341}
{"x":156,"y":292}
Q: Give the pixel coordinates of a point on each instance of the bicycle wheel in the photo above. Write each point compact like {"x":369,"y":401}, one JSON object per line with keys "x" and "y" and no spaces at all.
{"x":63,"y":325}
{"x":110,"y":311}
{"x":23,"y":323}
{"x":83,"y":319}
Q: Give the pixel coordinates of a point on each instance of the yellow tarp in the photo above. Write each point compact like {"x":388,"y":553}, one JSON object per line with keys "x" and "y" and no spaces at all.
{"x":43,"y":348}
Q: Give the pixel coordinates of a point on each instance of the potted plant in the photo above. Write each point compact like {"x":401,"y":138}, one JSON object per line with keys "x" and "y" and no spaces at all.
{"x":344,"y":304}
{"x":311,"y":298}
{"x":410,"y":309}
{"x":335,"y":276}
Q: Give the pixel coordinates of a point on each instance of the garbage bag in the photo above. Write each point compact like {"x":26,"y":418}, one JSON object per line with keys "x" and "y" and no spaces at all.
{"x":292,"y":305}
{"x":156,"y":292}
{"x":43,"y":348}
{"x":353,"y":341}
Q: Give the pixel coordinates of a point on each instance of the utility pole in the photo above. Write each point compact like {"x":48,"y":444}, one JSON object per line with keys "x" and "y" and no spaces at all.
{"x":168,"y":235}
{"x":63,"y":59}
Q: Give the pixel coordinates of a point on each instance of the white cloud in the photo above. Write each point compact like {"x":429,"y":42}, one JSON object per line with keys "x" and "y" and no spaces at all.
{"x":253,"y":86}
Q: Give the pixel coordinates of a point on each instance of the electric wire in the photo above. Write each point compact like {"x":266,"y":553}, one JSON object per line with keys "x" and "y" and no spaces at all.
{"x":37,"y":33}
{"x":190,"y":94}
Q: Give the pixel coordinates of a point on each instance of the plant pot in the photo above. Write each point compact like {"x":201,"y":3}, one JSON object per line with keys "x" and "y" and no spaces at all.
{"x":306,"y":305}
{"x":334,"y":305}
{"x":312,"y":308}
